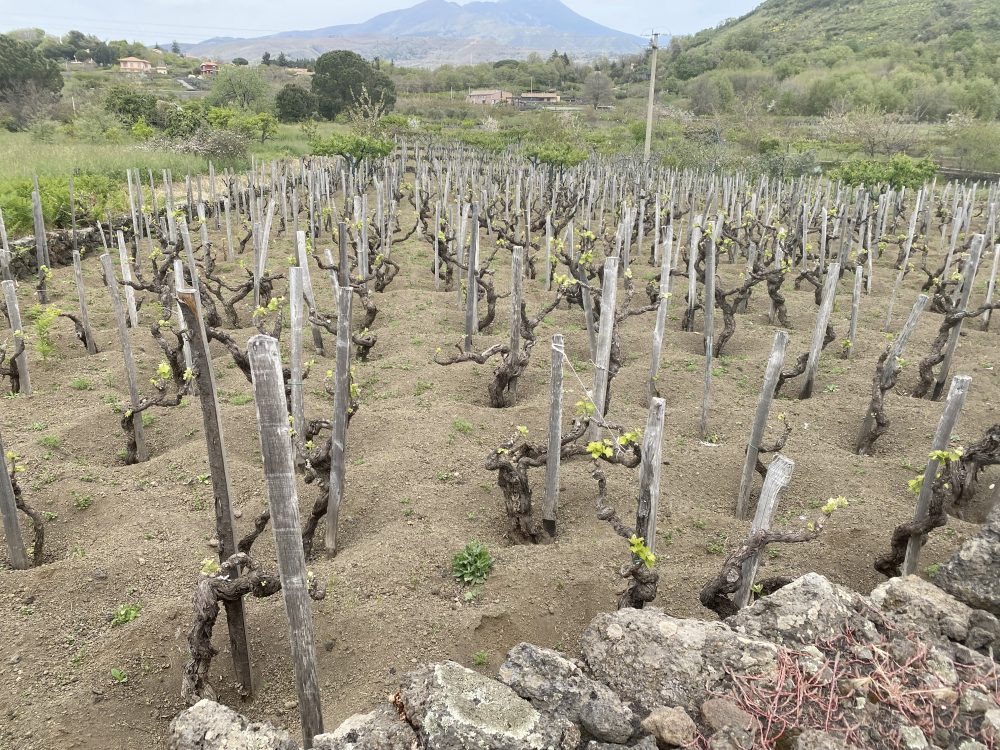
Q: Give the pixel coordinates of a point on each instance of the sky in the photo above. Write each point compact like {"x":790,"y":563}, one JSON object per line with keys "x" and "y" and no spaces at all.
{"x":195,"y":20}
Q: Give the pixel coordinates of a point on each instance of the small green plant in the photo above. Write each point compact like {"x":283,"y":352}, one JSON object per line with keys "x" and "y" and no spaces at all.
{"x":834,"y":503}
{"x":119,"y":676}
{"x":48,"y":515}
{"x":932,"y":570}
{"x":44,"y":318}
{"x":699,"y":523}
{"x":472,"y":564}
{"x":49,"y":441}
{"x":239,"y":399}
{"x":422,"y":388}
{"x":831,"y":388}
{"x":148,"y":419}
{"x":82,"y":502}
{"x":81,"y":384}
{"x":125,"y":613}
{"x":637,"y":546}
{"x":480,"y":658}
{"x":460,"y":425}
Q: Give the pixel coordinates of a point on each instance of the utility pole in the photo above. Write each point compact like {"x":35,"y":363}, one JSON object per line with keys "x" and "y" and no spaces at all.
{"x":652,"y":92}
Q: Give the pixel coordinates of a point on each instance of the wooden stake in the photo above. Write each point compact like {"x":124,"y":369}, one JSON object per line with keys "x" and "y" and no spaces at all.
{"x":8,"y":509}
{"x":14,"y":313}
{"x":819,"y":332}
{"x":855,"y":308}
{"x":282,"y":500}
{"x":471,"y":287}
{"x":609,"y":293}
{"x":81,"y":292}
{"x":341,"y":403}
{"x":225,"y":524}
{"x":661,"y":315}
{"x":649,"y":474}
{"x":968,"y":276}
{"x":709,"y":334}
{"x":942,"y":437}
{"x":774,"y":364}
{"x":126,"y":267}
{"x":553,"y":458}
{"x":41,"y":243}
{"x":298,"y":402}
{"x":779,"y":474}
{"x":141,"y":454}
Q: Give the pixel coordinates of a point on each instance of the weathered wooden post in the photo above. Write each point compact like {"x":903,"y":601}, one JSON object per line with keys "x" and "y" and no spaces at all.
{"x":141,"y":454}
{"x":550,"y":505}
{"x":609,"y":293}
{"x":81,"y":292}
{"x":225,"y":525}
{"x":41,"y":243}
{"x":298,"y":401}
{"x":8,"y":509}
{"x":282,"y":500}
{"x":341,"y":404}
{"x":649,"y":474}
{"x":4,"y":252}
{"x":774,"y":364}
{"x":21,"y":360}
{"x":709,"y":334}
{"x":819,"y":332}
{"x":968,"y":276}
{"x":126,"y":267}
{"x":471,"y":287}
{"x":779,"y":474}
{"x":661,"y":316}
{"x":989,"y":289}
{"x":852,"y":331}
{"x":942,"y":437}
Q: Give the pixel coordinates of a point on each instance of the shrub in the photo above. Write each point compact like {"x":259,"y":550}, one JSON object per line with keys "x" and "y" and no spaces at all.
{"x":900,"y":171}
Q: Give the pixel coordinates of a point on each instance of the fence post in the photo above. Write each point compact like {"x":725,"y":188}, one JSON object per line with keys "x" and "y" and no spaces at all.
{"x":282,"y":499}
{"x":969,"y":275}
{"x":609,"y":293}
{"x":81,"y":292}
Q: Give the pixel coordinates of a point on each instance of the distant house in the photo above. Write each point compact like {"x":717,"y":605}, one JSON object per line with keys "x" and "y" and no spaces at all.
{"x":162,"y":70}
{"x":488,"y":96}
{"x":299,"y":71}
{"x":529,"y":100}
{"x":134,"y":65}
{"x":209,"y":68}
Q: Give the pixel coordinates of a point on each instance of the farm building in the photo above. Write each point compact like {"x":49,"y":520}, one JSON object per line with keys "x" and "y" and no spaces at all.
{"x":209,"y":68}
{"x":529,"y":100}
{"x":488,"y":96}
{"x":134,"y":65}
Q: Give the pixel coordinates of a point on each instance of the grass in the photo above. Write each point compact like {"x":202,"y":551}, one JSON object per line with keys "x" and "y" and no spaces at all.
{"x":81,"y":384}
{"x":49,"y":441}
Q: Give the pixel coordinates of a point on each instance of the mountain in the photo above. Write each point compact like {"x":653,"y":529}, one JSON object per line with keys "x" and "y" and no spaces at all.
{"x":779,"y":29}
{"x":437,"y":32}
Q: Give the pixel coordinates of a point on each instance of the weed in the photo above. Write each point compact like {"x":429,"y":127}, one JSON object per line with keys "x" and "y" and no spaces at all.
{"x":472,"y":564}
{"x":698,"y":523}
{"x":125,"y":613}
{"x":480,"y":658}
{"x":81,"y":384}
{"x":82,"y":502}
{"x":239,"y":399}
{"x":422,"y":388}
{"x":48,"y":515}
{"x":932,"y":570}
{"x":49,"y":441}
{"x":119,"y":676}
{"x":460,"y":425}
{"x":148,"y":419}
{"x":38,"y":426}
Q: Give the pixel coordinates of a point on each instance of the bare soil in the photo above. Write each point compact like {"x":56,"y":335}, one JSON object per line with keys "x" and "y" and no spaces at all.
{"x":417,"y":491}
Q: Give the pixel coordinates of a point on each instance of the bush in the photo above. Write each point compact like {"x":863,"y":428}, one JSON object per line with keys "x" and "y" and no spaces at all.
{"x":210,"y":143}
{"x":356,"y":148}
{"x":130,"y":104}
{"x":900,"y":171}
{"x":295,"y":104}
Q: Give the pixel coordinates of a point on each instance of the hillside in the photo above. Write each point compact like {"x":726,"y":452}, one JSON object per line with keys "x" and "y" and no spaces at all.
{"x":924,"y":58}
{"x":435,"y":32}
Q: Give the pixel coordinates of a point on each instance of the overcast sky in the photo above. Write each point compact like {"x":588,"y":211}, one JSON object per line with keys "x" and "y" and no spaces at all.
{"x":195,"y":20}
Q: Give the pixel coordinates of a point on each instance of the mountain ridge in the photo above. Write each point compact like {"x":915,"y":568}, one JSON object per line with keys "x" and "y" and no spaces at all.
{"x":435,"y":32}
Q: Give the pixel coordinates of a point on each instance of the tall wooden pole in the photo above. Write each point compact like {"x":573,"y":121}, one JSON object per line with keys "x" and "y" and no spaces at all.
{"x":652,"y":96}
{"x":225,"y":525}
{"x":283,"y":502}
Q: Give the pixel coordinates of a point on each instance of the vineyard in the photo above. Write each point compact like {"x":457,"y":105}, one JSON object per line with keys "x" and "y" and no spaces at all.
{"x":445,"y":402}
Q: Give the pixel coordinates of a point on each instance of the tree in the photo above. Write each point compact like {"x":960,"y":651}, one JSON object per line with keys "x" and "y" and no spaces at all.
{"x":240,"y":61}
{"x":265,"y":59}
{"x":262,"y":125}
{"x":876,"y":131}
{"x":354,"y":148}
{"x":103,"y":55}
{"x":21,"y":66}
{"x":130,"y":104}
{"x":175,"y":47}
{"x":243,"y":87}
{"x":282,"y":60}
{"x":339,"y":79}
{"x":294,"y":103}
{"x":597,"y":89}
